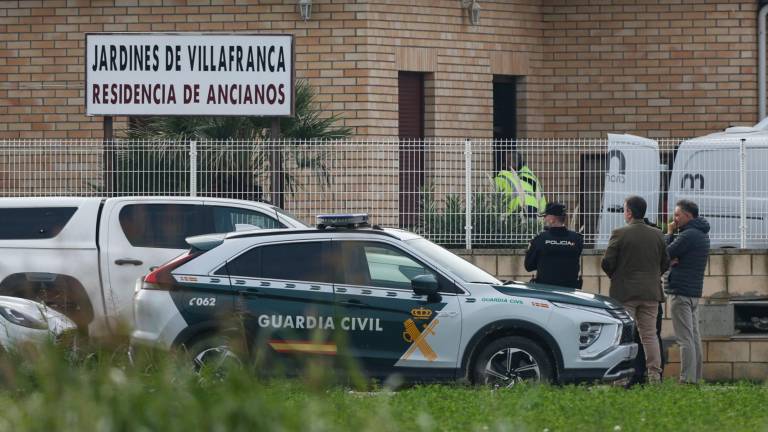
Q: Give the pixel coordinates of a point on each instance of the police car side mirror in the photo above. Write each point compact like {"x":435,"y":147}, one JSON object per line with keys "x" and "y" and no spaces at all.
{"x":427,"y":285}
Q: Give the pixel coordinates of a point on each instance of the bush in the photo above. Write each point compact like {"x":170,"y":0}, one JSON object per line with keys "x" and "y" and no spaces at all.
{"x":100,"y":391}
{"x":444,"y":223}
{"x":232,"y":160}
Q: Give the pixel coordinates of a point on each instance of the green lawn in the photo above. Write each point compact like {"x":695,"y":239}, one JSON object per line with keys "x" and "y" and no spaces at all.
{"x":101,"y":392}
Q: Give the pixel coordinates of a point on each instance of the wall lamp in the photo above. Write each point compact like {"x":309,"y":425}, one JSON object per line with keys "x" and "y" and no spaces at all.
{"x":473,"y":10}
{"x":305,"y":9}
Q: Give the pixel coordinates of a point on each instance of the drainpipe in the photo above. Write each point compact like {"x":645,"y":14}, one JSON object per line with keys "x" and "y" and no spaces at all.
{"x":761,"y":59}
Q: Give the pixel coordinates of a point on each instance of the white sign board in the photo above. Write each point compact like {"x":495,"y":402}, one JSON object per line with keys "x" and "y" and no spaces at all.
{"x":633,"y":169}
{"x":189,"y":74}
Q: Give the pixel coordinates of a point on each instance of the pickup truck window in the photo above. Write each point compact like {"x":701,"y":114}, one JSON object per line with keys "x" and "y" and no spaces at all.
{"x":162,"y":225}
{"x":33,"y":222}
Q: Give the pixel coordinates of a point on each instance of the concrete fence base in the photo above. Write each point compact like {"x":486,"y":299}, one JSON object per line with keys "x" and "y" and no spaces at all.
{"x":730,"y":275}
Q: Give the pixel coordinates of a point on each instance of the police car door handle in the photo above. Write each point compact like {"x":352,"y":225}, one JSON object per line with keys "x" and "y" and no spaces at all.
{"x":132,"y":261}
{"x":352,"y":302}
{"x":251,"y":291}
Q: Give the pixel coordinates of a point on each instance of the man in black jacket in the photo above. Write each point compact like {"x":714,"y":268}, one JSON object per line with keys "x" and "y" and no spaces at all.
{"x":688,"y":251}
{"x":555,"y":252}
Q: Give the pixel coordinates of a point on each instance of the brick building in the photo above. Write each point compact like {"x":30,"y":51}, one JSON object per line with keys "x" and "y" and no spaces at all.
{"x":546,"y":68}
{"x":423,"y":68}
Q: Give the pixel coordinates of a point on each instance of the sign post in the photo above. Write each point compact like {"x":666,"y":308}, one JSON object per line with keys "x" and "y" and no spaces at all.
{"x":108,"y":159}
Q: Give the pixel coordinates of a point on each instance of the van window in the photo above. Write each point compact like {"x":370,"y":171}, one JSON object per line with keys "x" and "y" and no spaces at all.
{"x":33,"y":222}
{"x":162,"y":225}
{"x":290,"y":261}
{"x":226,"y":219}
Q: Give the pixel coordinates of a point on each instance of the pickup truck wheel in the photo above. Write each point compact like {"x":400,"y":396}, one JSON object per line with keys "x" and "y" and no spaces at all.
{"x":511,"y":360}
{"x":214,"y":354}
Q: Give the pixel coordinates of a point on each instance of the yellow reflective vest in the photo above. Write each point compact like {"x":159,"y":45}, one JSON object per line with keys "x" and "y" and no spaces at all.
{"x":523,"y":188}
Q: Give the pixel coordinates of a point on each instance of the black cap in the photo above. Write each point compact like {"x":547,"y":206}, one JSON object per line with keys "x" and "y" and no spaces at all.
{"x":554,"y":209}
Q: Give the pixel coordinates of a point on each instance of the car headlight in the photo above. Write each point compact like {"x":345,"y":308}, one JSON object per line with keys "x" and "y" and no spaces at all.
{"x":22,"y":319}
{"x":621,"y":314}
{"x":588,"y":334}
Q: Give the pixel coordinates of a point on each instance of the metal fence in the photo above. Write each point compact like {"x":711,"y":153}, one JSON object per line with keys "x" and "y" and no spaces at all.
{"x":459,"y":193}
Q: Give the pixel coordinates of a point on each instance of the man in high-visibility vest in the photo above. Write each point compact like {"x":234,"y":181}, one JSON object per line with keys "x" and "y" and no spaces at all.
{"x":524,"y":188}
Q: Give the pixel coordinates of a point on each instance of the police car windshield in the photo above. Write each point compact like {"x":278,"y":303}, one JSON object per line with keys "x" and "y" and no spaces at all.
{"x":457,"y":265}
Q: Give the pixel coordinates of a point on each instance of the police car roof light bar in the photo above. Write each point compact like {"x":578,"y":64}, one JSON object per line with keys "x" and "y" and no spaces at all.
{"x":353,"y":220}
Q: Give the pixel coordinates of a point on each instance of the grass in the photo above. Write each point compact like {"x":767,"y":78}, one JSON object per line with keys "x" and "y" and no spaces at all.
{"x":49,"y":391}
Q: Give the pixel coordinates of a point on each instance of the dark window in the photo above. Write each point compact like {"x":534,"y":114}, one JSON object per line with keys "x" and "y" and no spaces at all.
{"x":294,"y":261}
{"x":226,"y":219}
{"x":379,"y":265}
{"x":504,"y":123}
{"x":411,"y":133}
{"x":163,"y":225}
{"x":593,"y":169}
{"x":246,"y":265}
{"x":291,"y":261}
{"x":33,"y":222}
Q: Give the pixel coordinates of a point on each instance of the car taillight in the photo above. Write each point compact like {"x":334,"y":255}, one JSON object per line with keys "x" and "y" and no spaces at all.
{"x":160,"y":278}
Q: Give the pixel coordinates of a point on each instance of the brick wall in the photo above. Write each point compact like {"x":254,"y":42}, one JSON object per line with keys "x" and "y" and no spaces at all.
{"x":666,"y":68}
{"x":349,"y":50}
{"x":650,"y":67}
{"x":729,"y":274}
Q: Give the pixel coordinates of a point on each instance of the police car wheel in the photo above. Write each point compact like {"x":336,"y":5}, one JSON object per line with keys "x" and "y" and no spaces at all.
{"x":511,"y":360}
{"x":214,"y":353}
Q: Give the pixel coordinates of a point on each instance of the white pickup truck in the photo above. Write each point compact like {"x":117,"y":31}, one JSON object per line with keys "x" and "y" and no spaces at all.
{"x":82,"y":256}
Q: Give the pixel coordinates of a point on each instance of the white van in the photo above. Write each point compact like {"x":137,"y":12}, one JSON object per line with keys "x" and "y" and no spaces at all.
{"x":706,"y":171}
{"x":632,"y":169}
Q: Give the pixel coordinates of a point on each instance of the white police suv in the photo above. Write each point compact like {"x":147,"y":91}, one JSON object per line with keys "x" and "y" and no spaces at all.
{"x":392,"y":300}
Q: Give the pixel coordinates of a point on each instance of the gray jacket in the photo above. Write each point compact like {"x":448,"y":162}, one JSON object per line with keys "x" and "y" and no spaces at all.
{"x":691,"y":248}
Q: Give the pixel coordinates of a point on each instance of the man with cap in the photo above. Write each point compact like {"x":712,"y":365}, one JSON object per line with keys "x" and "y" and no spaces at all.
{"x":555,"y":253}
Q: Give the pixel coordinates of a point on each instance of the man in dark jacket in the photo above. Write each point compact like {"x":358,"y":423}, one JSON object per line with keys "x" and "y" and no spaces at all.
{"x":635,"y":259}
{"x":555,"y":252}
{"x":639,"y":365}
{"x":688,"y":241}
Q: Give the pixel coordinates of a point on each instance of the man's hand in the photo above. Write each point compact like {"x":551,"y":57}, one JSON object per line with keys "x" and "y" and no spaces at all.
{"x":674,"y":262}
{"x":671,"y":227}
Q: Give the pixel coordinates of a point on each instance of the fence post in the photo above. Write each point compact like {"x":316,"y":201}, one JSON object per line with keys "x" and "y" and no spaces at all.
{"x":468,"y":192}
{"x":743,"y":192}
{"x":276,"y":164}
{"x":193,"y":168}
{"x":109,"y":167}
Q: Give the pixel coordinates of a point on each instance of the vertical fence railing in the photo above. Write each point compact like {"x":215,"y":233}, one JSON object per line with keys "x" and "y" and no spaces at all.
{"x":743,"y":193}
{"x":468,"y":193}
{"x":458,"y":192}
{"x":193,"y":168}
